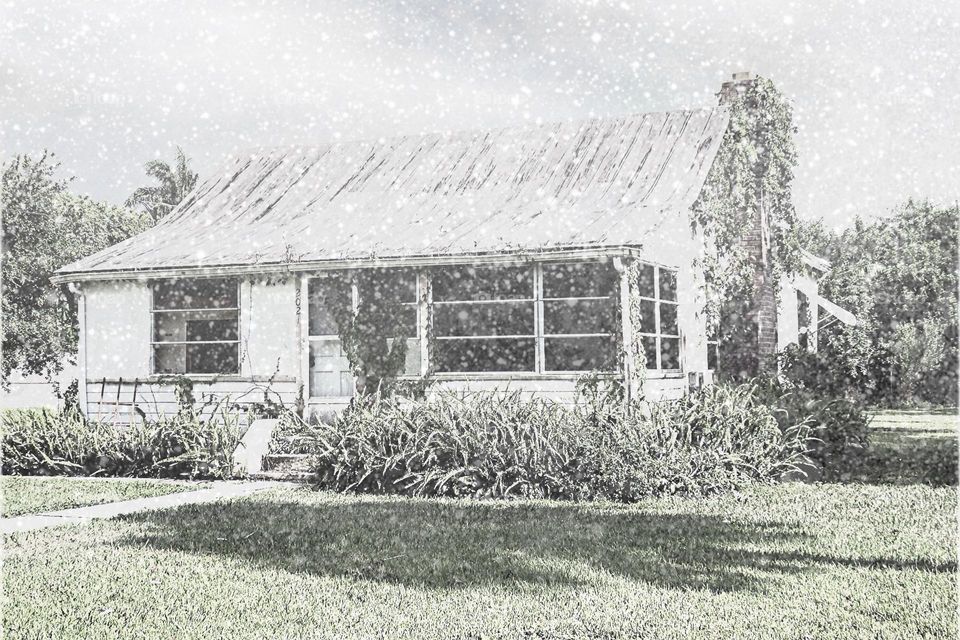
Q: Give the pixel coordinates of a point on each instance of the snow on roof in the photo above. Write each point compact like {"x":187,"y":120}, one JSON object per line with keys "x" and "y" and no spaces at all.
{"x":598,"y":183}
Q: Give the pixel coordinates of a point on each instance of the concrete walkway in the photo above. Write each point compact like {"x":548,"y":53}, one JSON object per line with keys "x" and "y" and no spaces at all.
{"x":83,"y":515}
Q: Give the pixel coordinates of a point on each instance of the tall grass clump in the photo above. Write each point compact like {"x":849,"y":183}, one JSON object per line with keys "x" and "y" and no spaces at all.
{"x":502,"y":445}
{"x":191,"y":443}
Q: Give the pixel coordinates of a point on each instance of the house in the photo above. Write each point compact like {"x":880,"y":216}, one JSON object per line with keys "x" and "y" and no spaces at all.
{"x":521,"y":259}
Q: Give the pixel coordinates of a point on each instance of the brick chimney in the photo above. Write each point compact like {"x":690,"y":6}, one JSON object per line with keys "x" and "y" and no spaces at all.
{"x":733,"y":89}
{"x":756,"y":238}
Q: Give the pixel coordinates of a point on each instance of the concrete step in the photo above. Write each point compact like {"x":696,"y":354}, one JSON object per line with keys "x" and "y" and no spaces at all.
{"x":282,"y":476}
{"x":291,"y":463}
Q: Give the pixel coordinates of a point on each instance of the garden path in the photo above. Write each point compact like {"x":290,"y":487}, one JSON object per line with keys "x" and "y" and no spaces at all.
{"x":83,"y":515}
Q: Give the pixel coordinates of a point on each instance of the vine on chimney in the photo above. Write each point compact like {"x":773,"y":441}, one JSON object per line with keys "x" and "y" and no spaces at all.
{"x":748,"y":188}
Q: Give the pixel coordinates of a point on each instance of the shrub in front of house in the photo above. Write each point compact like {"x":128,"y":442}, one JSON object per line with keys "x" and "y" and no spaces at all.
{"x":187,"y":444}
{"x":502,"y":445}
{"x":813,"y":389}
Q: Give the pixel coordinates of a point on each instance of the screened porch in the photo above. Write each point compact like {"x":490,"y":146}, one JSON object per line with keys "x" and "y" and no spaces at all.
{"x":501,"y":321}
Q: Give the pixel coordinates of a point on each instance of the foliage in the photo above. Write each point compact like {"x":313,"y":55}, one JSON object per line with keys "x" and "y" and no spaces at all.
{"x":174,"y":183}
{"x":899,"y":276}
{"x":750,"y":181}
{"x":44,"y":228}
{"x":191,"y":443}
{"x":838,"y":425}
{"x":372,"y":335}
{"x":500,"y":445}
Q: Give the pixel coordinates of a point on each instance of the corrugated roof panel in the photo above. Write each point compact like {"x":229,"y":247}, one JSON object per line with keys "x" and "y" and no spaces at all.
{"x":605,"y":182}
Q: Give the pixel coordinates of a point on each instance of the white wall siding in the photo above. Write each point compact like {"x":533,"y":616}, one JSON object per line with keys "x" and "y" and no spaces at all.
{"x":117,"y":329}
{"x":269,"y":328}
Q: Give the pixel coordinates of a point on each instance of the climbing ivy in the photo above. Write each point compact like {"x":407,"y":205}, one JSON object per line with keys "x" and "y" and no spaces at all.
{"x":751,"y":177}
{"x":372,"y":337}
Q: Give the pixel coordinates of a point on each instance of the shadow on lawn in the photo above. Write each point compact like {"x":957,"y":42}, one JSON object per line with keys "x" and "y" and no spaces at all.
{"x":450,"y":545}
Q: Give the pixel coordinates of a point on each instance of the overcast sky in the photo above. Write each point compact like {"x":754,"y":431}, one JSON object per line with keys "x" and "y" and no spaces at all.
{"x":110,"y":85}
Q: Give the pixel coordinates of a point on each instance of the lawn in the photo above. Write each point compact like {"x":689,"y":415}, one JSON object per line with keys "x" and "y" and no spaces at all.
{"x":910,"y":446}
{"x":790,"y":561}
{"x":30,"y":494}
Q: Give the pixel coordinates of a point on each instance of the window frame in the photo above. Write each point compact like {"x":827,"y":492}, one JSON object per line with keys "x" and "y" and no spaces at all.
{"x":542,"y":335}
{"x":153,"y":329}
{"x":533,"y":269}
{"x":658,"y":334}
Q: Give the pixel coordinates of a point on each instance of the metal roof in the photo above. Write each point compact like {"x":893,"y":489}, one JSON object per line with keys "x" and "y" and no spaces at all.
{"x":598,"y":183}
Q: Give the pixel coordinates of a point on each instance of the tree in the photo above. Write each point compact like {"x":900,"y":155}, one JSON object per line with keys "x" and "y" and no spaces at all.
{"x":899,"y":275}
{"x":174,"y":185}
{"x":44,"y":228}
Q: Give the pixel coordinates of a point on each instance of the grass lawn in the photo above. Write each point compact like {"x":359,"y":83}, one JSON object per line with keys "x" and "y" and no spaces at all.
{"x":29,"y":494}
{"x":851,"y":560}
{"x":907,"y":447}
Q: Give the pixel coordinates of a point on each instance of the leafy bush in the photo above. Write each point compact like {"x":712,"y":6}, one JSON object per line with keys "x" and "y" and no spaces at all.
{"x":187,"y":444}
{"x":500,"y":445}
{"x":838,"y":423}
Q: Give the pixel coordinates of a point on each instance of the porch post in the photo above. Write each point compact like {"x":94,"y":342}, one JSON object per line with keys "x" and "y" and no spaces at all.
{"x":81,"y":347}
{"x":303,"y":333}
{"x":626,"y":329}
{"x":424,"y":300}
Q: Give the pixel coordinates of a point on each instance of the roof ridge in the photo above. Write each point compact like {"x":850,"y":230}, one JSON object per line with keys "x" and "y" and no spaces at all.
{"x":475,"y":132}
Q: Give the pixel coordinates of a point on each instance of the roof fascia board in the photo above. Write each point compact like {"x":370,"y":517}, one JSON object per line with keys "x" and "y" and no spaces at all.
{"x":358,"y":263}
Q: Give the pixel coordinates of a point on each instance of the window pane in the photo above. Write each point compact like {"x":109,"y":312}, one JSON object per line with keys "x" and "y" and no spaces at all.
{"x":712,"y":348}
{"x":329,"y":370}
{"x":648,"y":320}
{"x":211,"y":293}
{"x":213,"y":358}
{"x":170,"y":358}
{"x":484,"y":319}
{"x":469,"y":355}
{"x":580,"y":354}
{"x":321,"y":320}
{"x":650,"y":350}
{"x":483,"y":283}
{"x":668,"y":285}
{"x":409,"y":320}
{"x":668,"y":319}
{"x":579,"y":316}
{"x":395,"y":284}
{"x":645,"y":281}
{"x":411,"y":363}
{"x":669,"y":353}
{"x":579,"y":280}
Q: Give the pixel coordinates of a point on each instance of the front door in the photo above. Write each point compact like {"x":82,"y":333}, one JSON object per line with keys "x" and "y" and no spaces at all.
{"x":330,"y":375}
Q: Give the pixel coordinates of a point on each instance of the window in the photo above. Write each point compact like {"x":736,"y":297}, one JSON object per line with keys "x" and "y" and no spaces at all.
{"x":483,"y":319}
{"x":549,"y":318}
{"x":713,"y":354}
{"x":580,"y":320}
{"x":400,"y":285}
{"x":196,"y":327}
{"x":659,"y":329}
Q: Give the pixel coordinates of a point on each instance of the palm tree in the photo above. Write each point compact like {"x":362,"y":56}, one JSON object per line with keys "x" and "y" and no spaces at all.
{"x":174,"y":186}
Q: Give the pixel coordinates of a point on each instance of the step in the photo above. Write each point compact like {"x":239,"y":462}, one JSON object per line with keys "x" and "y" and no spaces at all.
{"x":288,"y":462}
{"x":284,"y":476}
